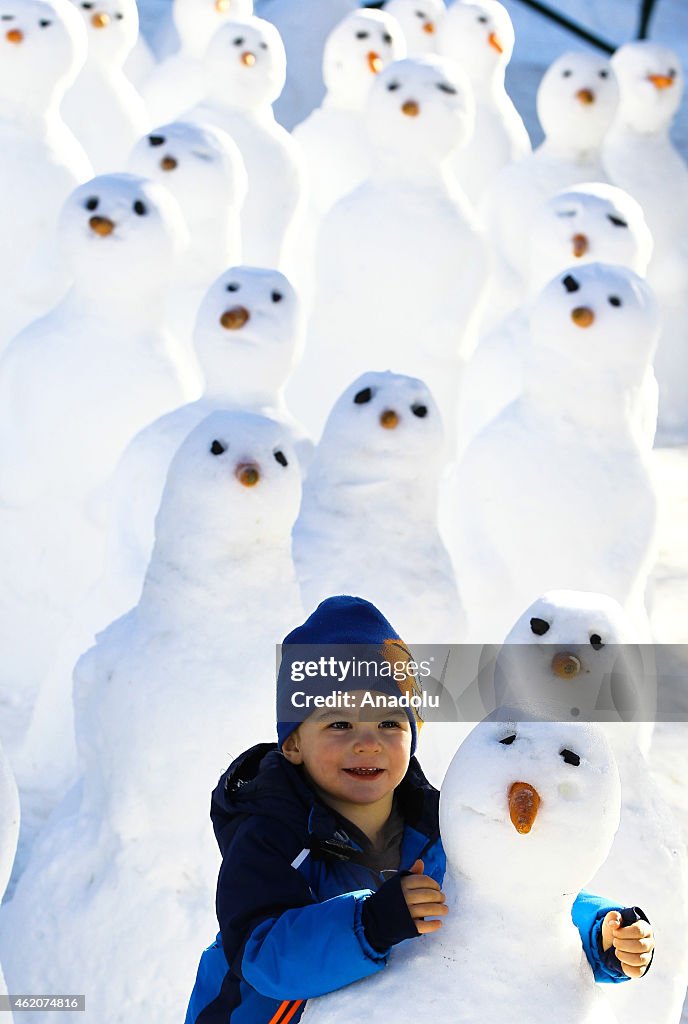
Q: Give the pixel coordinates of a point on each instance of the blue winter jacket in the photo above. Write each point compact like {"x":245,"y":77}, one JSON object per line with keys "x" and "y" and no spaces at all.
{"x":289,"y":896}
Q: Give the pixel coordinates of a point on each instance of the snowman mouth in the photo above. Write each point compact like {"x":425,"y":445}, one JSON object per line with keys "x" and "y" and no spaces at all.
{"x":364,"y":773}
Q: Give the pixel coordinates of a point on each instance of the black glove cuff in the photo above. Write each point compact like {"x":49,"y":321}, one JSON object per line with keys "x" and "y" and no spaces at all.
{"x":609,"y":958}
{"x":386,"y":917}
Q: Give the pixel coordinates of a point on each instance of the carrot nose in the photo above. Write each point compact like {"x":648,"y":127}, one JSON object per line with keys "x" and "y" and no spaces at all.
{"x":102,"y":226}
{"x":410,"y":108}
{"x":585,"y":96}
{"x":234,"y":318}
{"x":565,"y":665}
{"x":580,"y":245}
{"x":168,"y":163}
{"x":247,"y":473}
{"x":661,"y":81}
{"x":374,"y":62}
{"x":524,"y":801}
{"x":248,"y":58}
{"x":100,"y":20}
{"x":494,"y":41}
{"x":222,"y":6}
{"x":582,"y":316}
{"x":429,"y":27}
{"x":14,"y":35}
{"x":389,"y":419}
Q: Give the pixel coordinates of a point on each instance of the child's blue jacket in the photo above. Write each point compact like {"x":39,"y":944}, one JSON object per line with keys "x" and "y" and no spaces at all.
{"x":289,"y":896}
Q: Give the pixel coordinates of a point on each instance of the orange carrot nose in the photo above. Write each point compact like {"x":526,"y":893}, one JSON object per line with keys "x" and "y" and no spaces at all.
{"x":661,"y":81}
{"x":585,"y":96}
{"x":410,"y":108}
{"x":389,"y":419}
{"x":247,"y":473}
{"x":222,"y":6}
{"x":168,"y":163}
{"x":524,"y":801}
{"x":14,"y":36}
{"x":100,"y":19}
{"x":582,"y":316}
{"x":102,"y":226}
{"x":234,"y":318}
{"x":565,"y":665}
{"x":580,"y":245}
{"x":248,"y":58}
{"x":374,"y":62}
{"x":429,"y":27}
{"x":494,"y":41}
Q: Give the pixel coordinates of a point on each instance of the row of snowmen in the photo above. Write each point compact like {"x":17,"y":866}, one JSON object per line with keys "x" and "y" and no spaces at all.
{"x":156,"y":384}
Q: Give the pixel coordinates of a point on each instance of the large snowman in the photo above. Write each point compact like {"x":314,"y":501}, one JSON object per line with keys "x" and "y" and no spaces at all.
{"x":528,"y":812}
{"x":168,"y":696}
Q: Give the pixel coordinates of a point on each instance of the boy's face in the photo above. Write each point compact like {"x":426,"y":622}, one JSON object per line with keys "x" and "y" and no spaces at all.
{"x":353,"y":758}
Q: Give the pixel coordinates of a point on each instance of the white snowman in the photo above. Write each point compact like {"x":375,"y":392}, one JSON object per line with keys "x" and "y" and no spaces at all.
{"x":245,"y":66}
{"x":420,"y":21}
{"x":161,"y":702}
{"x":368,"y":519}
{"x":528,"y":812}
{"x":480,"y":37}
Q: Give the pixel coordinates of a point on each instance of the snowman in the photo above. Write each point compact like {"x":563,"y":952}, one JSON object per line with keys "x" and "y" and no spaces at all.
{"x":588,"y":223}
{"x":575,"y":652}
{"x":75,"y":386}
{"x":168,"y":696}
{"x":245,"y":67}
{"x":368,"y":519}
{"x":528,"y":813}
{"x":570,"y":452}
{"x":178,"y":82}
{"x":480,"y":37}
{"x":42,"y":47}
{"x":640,"y":156}
{"x":388,"y":291}
{"x":420,"y":21}
{"x":103,"y":108}
{"x":576,"y":103}
{"x":9,"y":833}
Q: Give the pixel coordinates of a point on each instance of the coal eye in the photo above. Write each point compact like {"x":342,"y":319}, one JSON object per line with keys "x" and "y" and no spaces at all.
{"x":419,"y":14}
{"x":570,"y":283}
{"x":566,"y":213}
{"x":446,"y":87}
{"x":482,"y":19}
{"x":281,"y":458}
{"x":392,"y":86}
{"x":233,"y":287}
{"x":217,"y":448}
{"x":140,"y":208}
{"x":386,"y":38}
{"x":596,"y":642}
{"x":119,"y":16}
{"x":614,"y":300}
{"x":277,"y":296}
{"x":570,"y":757}
{"x":361,"y":397}
{"x":672,"y":72}
{"x":92,"y":203}
{"x":539,"y":626}
{"x":156,"y":140}
{"x":44,"y":23}
{"x":263,"y":46}
{"x":87,"y":6}
{"x":603,"y":74}
{"x":508,"y":739}
{"x":362,"y":35}
{"x":618,"y":222}
{"x":239,"y":41}
{"x":419,"y":410}
{"x":566,"y":74}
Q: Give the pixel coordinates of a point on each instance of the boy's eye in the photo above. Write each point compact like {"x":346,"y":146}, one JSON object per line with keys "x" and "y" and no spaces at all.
{"x":390,"y":723}
{"x":339,"y":725}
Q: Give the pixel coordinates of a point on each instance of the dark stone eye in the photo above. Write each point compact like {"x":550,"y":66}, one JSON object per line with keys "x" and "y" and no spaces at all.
{"x":239,"y":41}
{"x":217,"y":448}
{"x":140,"y":208}
{"x":672,"y":72}
{"x":156,"y":140}
{"x":566,"y":74}
{"x":392,"y":86}
{"x":539,"y":626}
{"x":596,"y":642}
{"x":419,"y":14}
{"x":263,"y":46}
{"x":92,"y":203}
{"x":614,"y":300}
{"x":87,"y":6}
{"x":566,"y":213}
{"x":618,"y":222}
{"x":119,"y":16}
{"x":570,"y":757}
{"x":603,"y":74}
{"x":446,"y":87}
{"x":361,"y":397}
{"x":362,"y":35}
{"x":508,"y":739}
{"x":419,"y":410}
{"x":233,"y":287}
{"x":44,"y":23}
{"x":386,"y":38}
{"x":277,"y":296}
{"x":281,"y":458}
{"x":570,"y":283}
{"x":482,"y":19}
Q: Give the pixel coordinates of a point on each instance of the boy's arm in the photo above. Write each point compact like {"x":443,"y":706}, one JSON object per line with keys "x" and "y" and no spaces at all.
{"x":588,"y":913}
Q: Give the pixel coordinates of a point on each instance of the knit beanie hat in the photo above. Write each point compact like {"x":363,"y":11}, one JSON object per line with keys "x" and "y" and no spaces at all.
{"x":345,"y":644}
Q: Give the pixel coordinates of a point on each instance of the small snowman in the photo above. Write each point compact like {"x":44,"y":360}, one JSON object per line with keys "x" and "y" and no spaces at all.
{"x":528,"y":813}
{"x":368,"y":519}
{"x":480,"y":37}
{"x":103,"y":108}
{"x":9,"y":834}
{"x":388,"y":292}
{"x":168,"y":696}
{"x":245,"y":67}
{"x":420,"y":21}
{"x":556,"y":491}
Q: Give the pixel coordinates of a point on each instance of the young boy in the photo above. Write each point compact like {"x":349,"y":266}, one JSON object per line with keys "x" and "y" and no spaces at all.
{"x":330,"y":841}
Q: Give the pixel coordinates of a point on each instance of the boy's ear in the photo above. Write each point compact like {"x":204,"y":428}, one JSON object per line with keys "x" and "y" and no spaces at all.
{"x":291,"y":748}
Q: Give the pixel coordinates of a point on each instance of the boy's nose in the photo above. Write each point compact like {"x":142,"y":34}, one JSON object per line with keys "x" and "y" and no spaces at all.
{"x":367,"y":738}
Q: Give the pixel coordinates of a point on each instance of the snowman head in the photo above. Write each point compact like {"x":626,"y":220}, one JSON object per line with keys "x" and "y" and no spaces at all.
{"x":197,"y":21}
{"x":419,"y":111}
{"x":651,"y":85}
{"x":121,"y":236}
{"x":42,"y":49}
{"x":233,"y":486}
{"x":480,"y":37}
{"x":112,"y":27}
{"x":356,"y":50}
{"x":530,"y":805}
{"x":576,"y":101}
{"x":200,"y":165}
{"x":246,"y":64}
{"x":595,"y":319}
{"x":586,"y":223}
{"x":419,"y":20}
{"x":246,"y":334}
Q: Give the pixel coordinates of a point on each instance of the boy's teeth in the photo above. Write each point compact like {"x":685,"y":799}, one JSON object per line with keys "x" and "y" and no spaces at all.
{"x":365,"y":771}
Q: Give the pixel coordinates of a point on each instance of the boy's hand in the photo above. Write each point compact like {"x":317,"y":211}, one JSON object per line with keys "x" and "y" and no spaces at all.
{"x":633,"y":944}
{"x":424,"y":898}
